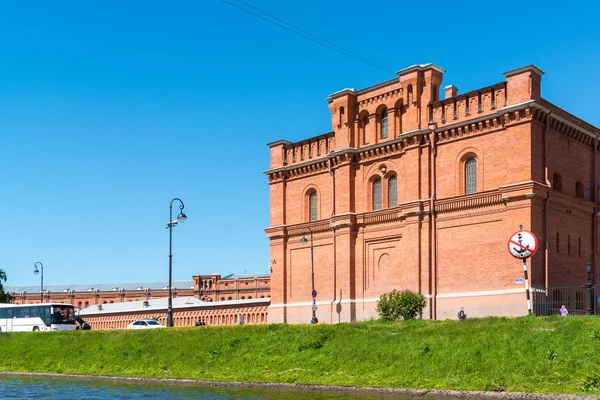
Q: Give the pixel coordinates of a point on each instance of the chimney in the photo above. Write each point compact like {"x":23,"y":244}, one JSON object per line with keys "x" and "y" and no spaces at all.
{"x":523,"y":84}
{"x":450,"y":91}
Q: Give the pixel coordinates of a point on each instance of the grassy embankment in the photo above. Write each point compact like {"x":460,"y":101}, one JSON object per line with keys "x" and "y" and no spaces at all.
{"x":547,"y":355}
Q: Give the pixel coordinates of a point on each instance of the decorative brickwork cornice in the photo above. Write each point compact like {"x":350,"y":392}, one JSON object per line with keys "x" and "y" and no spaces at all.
{"x":494,"y":119}
{"x":276,"y":232}
{"x":523,"y":190}
{"x":351,"y":154}
{"x":308,"y":169}
{"x":571,"y":205}
{"x":394,"y":94}
{"x":486,"y":124}
{"x":315,"y":227}
{"x":469,"y":202}
{"x":560,"y":113}
{"x":277,"y":176}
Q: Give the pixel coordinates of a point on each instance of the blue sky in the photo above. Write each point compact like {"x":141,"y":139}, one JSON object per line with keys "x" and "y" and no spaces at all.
{"x":109,"y":110}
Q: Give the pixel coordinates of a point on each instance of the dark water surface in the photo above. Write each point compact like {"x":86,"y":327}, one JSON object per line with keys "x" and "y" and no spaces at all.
{"x":12,"y":387}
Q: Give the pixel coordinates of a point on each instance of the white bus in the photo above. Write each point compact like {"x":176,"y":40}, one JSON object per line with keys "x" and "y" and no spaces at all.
{"x":37,"y":317}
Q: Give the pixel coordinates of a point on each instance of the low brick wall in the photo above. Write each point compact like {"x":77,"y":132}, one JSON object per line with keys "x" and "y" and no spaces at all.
{"x":253,"y":312}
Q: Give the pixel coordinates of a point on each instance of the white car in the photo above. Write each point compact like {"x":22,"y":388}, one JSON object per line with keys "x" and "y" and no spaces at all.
{"x":145,"y":324}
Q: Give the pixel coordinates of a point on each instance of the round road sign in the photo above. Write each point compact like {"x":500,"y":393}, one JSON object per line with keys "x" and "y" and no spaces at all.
{"x":522,"y":244}
{"x":314,"y":294}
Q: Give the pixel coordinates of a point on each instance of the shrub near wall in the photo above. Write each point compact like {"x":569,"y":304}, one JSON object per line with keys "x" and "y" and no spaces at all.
{"x":400,"y":305}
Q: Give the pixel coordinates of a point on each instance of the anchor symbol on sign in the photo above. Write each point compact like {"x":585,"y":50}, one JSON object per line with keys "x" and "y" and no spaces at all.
{"x":521,"y":250}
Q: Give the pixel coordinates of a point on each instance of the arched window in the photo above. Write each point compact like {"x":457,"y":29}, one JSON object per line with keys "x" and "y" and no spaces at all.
{"x":87,"y":304}
{"x":557,"y":181}
{"x":312,"y":206}
{"x":579,"y":190}
{"x":392,"y":191}
{"x":471,"y":176}
{"x":377,"y":194}
{"x":384,"y":124}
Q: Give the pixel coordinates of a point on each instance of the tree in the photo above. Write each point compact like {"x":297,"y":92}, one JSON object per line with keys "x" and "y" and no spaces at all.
{"x":4,"y":297}
{"x":396,"y":305}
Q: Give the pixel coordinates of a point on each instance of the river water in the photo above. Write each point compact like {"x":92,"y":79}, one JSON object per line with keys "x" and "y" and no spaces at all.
{"x":12,"y":387}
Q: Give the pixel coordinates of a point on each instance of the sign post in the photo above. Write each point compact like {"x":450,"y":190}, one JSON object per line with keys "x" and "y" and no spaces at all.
{"x":522,"y":245}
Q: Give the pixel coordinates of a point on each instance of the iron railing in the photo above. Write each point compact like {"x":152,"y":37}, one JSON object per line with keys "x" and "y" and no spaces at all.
{"x":548,"y":300}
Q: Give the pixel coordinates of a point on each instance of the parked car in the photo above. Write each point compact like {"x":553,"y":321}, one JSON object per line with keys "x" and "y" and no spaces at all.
{"x":145,"y":324}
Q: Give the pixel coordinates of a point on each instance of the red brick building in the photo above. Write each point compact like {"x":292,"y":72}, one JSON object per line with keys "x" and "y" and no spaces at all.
{"x":412,"y":192}
{"x":219,"y":300}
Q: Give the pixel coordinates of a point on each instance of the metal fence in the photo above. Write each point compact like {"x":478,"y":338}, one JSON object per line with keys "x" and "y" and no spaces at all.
{"x":547,"y":301}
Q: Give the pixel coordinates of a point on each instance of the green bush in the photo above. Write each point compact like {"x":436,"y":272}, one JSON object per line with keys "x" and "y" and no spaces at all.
{"x":395,"y":305}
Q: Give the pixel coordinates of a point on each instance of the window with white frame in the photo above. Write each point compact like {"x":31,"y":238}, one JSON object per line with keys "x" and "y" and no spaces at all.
{"x":312,"y":207}
{"x":392,"y":191}
{"x":377,"y":194}
{"x":471,"y":176}
{"x":384,"y":124}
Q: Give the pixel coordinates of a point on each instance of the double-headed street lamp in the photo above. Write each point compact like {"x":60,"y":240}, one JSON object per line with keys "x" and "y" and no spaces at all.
{"x":314,"y":319}
{"x":36,"y":271}
{"x":181,"y":218}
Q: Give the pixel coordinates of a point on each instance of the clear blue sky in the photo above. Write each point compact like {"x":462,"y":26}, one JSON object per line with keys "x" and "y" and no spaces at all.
{"x":110,"y":109}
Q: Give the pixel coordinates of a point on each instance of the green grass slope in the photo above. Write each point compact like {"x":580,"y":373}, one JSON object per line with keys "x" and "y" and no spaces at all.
{"x":545,"y":355}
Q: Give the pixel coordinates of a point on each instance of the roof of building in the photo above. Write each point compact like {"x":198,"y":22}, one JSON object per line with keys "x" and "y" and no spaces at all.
{"x":108,"y":287}
{"x":102,"y":287}
{"x":160,"y":305}
{"x":247,"y":276}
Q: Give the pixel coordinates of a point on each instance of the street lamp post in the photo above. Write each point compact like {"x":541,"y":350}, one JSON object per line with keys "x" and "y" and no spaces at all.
{"x":181,"y":218}
{"x":36,"y":271}
{"x":314,"y":319}
{"x":588,"y":289}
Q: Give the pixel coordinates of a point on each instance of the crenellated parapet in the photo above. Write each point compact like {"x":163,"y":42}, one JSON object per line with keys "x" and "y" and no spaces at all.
{"x":467,"y":106}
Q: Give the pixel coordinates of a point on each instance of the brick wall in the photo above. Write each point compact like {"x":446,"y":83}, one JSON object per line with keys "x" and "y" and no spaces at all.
{"x":438,"y":240}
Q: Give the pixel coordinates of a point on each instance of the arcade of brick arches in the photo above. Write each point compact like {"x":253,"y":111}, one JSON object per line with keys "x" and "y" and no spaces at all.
{"x":410,"y":191}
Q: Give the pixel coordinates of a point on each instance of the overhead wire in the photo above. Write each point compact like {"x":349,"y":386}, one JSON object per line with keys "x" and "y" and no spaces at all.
{"x":272,"y":19}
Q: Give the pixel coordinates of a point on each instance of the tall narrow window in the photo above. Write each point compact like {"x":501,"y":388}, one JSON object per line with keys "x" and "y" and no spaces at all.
{"x":471,"y":176}
{"x":579,"y":190}
{"x":392,"y":191}
{"x":557,"y":181}
{"x":312,"y":207}
{"x":384,"y":124}
{"x":377,"y":194}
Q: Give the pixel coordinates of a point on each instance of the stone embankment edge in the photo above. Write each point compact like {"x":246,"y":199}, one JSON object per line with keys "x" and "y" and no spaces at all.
{"x":324,"y":388}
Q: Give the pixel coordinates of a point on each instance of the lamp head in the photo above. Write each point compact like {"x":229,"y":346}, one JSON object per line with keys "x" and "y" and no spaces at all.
{"x":588,"y":267}
{"x":303,"y":240}
{"x":35,"y":271}
{"x":181,"y":218}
